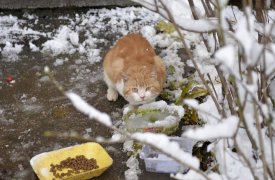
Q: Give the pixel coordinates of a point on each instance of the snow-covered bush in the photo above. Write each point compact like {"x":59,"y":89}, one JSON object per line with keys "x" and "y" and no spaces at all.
{"x":239,"y":112}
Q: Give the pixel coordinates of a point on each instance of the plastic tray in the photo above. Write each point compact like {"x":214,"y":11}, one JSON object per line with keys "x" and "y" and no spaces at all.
{"x":41,"y":162}
{"x":158,"y":162}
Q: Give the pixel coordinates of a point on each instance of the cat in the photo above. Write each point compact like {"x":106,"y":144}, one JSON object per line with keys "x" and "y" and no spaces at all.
{"x":132,"y":69}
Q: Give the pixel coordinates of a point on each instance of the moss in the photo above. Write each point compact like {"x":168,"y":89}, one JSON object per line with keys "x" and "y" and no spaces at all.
{"x":207,"y":158}
{"x":60,"y":112}
{"x":165,"y":27}
{"x":166,"y":95}
{"x":141,"y":112}
{"x":137,"y":146}
{"x":49,"y":134}
{"x":192,"y":90}
{"x":191,"y":117}
{"x":171,"y":69}
{"x":174,"y":85}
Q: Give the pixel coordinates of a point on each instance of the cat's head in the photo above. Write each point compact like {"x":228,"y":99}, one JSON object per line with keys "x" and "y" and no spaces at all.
{"x":141,"y":87}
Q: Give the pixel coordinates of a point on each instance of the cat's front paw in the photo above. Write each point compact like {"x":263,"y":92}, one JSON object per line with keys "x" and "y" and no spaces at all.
{"x":112,"y":94}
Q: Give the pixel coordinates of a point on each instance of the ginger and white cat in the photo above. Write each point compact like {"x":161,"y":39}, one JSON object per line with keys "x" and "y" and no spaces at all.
{"x":132,"y":69}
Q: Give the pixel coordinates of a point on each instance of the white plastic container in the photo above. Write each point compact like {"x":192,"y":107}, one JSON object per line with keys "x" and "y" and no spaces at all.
{"x":158,"y":162}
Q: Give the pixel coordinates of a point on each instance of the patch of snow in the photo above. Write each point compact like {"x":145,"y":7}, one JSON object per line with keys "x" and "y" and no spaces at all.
{"x":60,"y":44}
{"x":74,"y":38}
{"x":225,"y":129}
{"x":11,"y":51}
{"x":163,"y":105}
{"x":3,"y":120}
{"x":117,"y":137}
{"x":33,"y":47}
{"x":181,"y":12}
{"x":128,"y":145}
{"x":148,"y":31}
{"x":58,"y":62}
{"x":230,"y":164}
{"x":227,"y":56}
{"x":133,"y":171}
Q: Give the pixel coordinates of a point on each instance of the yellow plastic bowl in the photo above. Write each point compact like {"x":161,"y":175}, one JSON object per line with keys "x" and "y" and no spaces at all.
{"x":41,"y":162}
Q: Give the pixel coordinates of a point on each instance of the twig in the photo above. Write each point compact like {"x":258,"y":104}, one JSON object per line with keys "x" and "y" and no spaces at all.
{"x":272,"y":146}
{"x":212,"y":84}
{"x":196,"y":17}
{"x":258,"y":127}
{"x":240,"y":152}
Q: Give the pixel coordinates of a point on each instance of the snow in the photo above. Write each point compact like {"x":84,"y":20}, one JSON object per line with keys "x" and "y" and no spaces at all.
{"x":60,"y":44}
{"x":192,"y":175}
{"x":33,"y":47}
{"x":226,"y":55}
{"x":128,"y":145}
{"x":231,"y":164}
{"x":246,"y":37}
{"x":58,"y":62}
{"x":148,"y":32}
{"x":133,"y":171}
{"x":87,"y":109}
{"x":225,"y":129}
{"x":163,"y":105}
{"x":182,"y":14}
{"x":207,"y":110}
{"x":74,"y":38}
{"x":11,"y":51}
{"x":169,"y":120}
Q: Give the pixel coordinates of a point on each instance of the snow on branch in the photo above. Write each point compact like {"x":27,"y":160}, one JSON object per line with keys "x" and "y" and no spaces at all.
{"x":87,"y":109}
{"x":180,"y":10}
{"x":225,"y":129}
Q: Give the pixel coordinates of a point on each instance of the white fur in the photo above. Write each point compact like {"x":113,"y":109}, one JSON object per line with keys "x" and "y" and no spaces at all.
{"x":120,"y":87}
{"x":112,"y":94}
{"x":109,"y":83}
{"x":136,"y":97}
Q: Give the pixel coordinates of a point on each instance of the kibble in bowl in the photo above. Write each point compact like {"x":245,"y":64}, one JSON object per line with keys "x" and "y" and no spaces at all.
{"x":77,"y":162}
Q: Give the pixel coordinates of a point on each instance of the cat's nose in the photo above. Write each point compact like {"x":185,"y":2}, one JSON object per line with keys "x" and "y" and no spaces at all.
{"x":142,"y":97}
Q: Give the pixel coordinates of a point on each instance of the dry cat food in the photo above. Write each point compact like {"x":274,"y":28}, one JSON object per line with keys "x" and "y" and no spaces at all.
{"x":75,"y":166}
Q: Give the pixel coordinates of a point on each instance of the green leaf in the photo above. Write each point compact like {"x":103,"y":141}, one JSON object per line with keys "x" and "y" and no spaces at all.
{"x":171,"y":69}
{"x":165,"y":27}
{"x":49,"y":134}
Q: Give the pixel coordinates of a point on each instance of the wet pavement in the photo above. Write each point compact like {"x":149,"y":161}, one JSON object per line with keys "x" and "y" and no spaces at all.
{"x":33,"y":105}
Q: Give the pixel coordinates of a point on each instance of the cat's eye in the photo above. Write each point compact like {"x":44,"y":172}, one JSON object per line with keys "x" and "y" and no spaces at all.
{"x":134,"y":89}
{"x":147,"y":89}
